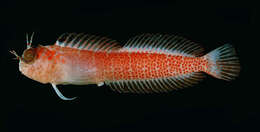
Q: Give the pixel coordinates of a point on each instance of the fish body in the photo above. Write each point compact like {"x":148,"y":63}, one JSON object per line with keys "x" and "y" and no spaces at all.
{"x":138,"y":65}
{"x":69,"y":65}
{"x":146,"y":64}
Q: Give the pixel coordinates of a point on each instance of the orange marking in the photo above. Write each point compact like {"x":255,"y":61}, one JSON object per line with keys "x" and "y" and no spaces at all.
{"x":63,"y":61}
{"x":39,"y":52}
{"x":50,"y":54}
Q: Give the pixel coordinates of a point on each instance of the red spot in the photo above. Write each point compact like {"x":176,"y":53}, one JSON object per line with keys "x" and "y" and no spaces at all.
{"x":50,"y":55}
{"x":63,"y":61}
{"x":57,"y":57}
{"x":39,"y":52}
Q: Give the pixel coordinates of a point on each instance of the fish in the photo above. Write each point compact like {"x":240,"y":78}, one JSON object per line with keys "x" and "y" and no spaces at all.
{"x":146,"y":63}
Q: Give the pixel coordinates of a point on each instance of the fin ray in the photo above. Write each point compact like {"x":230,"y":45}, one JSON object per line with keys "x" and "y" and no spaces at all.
{"x":223,"y":63}
{"x":87,"y":42}
{"x":60,"y":94}
{"x":159,"y":85}
{"x":159,"y":43}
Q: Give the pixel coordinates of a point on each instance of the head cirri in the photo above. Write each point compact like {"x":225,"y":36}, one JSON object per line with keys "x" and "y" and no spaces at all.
{"x":29,"y":54}
{"x":28,"y":57}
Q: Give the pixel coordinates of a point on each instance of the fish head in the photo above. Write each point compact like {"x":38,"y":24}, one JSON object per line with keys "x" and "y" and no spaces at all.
{"x":28,"y":64}
{"x":34,"y":65}
{"x":29,"y":55}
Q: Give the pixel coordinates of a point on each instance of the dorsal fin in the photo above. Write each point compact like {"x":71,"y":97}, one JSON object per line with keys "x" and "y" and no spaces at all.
{"x":87,"y":42}
{"x":159,"y":43}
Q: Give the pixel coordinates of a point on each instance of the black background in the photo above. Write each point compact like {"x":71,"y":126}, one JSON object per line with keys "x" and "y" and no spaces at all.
{"x":212,"y":105}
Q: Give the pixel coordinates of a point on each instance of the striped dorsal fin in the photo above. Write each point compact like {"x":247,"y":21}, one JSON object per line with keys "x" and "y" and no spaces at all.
{"x":157,"y":85}
{"x":87,"y":42}
{"x":158,"y":43}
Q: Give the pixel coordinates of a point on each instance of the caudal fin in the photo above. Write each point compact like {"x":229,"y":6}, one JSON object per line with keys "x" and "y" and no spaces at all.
{"x":223,"y":63}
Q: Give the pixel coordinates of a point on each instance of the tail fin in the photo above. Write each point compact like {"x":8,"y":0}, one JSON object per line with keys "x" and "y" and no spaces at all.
{"x":223,"y":63}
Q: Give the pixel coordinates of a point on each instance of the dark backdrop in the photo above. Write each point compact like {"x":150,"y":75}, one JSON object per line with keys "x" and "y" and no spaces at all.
{"x":212,"y":105}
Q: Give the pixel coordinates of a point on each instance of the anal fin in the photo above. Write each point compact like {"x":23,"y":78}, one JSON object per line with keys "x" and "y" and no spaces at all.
{"x":158,"y":85}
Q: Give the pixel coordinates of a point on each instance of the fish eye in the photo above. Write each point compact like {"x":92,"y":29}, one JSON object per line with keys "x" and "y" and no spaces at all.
{"x":28,"y":55}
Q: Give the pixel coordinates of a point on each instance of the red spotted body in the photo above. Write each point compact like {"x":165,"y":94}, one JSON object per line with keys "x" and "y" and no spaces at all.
{"x":134,"y":66}
{"x":146,"y":64}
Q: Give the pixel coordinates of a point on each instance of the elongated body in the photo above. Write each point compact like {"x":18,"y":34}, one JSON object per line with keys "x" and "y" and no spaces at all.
{"x":67,"y":64}
{"x":146,"y":64}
